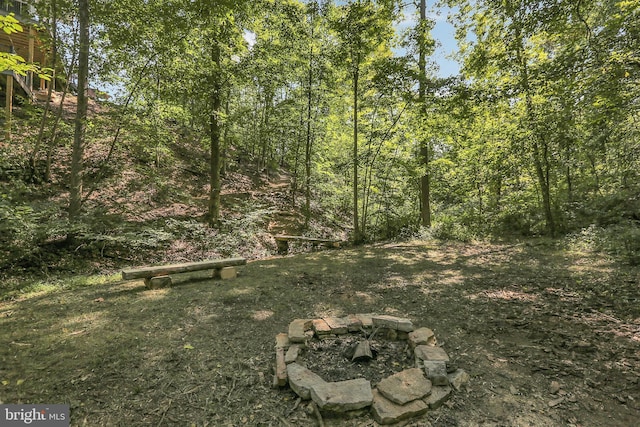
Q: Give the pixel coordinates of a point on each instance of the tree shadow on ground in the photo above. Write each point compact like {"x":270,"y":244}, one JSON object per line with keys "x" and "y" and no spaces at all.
{"x":516,"y":317}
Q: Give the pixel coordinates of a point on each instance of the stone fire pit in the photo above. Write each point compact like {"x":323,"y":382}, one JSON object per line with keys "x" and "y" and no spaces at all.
{"x":411,"y":392}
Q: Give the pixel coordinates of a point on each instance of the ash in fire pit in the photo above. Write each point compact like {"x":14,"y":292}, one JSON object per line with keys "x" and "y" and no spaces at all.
{"x":344,"y":358}
{"x":335,"y":362}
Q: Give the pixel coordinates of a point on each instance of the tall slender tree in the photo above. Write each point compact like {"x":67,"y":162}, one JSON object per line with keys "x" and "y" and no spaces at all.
{"x":80,"y":125}
{"x":312,"y":16}
{"x":364,"y":26}
{"x":424,"y":47}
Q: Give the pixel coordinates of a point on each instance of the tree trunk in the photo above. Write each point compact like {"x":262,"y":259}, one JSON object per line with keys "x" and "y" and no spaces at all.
{"x":356,"y":225}
{"x":54,"y":129}
{"x":266,"y":132}
{"x":307,"y":150}
{"x":75,"y":200}
{"x":541,"y":163}
{"x":225,"y":139}
{"x":425,"y":180}
{"x":567,"y":171}
{"x":296,"y":161}
{"x":214,"y":125}
{"x":47,"y":107}
{"x":540,"y":145}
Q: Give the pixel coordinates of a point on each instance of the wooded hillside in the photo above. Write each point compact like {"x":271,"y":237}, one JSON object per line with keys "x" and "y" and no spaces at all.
{"x":340,"y":112}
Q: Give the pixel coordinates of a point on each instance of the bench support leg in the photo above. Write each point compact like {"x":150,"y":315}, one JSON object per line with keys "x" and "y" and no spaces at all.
{"x":225,"y":273}
{"x":283,"y":247}
{"x":157,"y":282}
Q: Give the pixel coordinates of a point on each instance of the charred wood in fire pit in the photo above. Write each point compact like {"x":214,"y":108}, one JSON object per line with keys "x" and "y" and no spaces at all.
{"x":363,"y":352}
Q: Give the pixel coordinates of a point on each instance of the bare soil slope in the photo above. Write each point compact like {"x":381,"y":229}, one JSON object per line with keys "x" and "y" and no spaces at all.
{"x":550,"y":337}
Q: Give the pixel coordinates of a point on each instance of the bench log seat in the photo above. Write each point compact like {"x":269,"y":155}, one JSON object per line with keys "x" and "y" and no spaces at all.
{"x":282,"y":242}
{"x":158,"y":276}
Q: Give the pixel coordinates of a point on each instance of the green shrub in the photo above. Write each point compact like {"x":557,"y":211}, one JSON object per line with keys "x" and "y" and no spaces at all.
{"x":627,"y":238}
{"x":621,"y":240}
{"x":448,"y":227}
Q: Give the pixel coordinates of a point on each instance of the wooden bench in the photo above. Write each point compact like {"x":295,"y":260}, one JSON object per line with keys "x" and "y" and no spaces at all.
{"x":282,"y":241}
{"x":158,"y":276}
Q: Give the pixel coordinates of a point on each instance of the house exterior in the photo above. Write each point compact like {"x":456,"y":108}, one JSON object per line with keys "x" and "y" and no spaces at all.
{"x":29,"y":45}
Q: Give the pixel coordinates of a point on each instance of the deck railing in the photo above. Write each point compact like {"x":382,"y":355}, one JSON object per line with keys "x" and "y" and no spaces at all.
{"x":19,"y":7}
{"x":23,"y":11}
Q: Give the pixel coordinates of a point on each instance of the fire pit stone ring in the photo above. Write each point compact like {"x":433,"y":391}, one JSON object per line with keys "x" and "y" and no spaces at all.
{"x":402,"y":395}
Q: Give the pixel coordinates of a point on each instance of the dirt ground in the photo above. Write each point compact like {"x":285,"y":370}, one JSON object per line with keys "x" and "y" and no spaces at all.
{"x":550,"y":337}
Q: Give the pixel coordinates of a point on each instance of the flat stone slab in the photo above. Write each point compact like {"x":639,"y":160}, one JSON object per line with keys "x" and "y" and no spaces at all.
{"x":385,"y":411}
{"x":321,"y":327}
{"x":405,"y":386}
{"x":281,"y":368}
{"x":353,"y":323}
{"x":342,"y":396}
{"x":436,"y":371}
{"x":339,"y":326}
{"x":392,"y":322}
{"x":302,"y":379}
{"x":282,"y":340}
{"x":297,"y":329}
{"x":439,"y":395}
{"x":427,"y":352}
{"x":366,"y":319}
{"x":422,"y":336}
{"x":292,"y":354}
